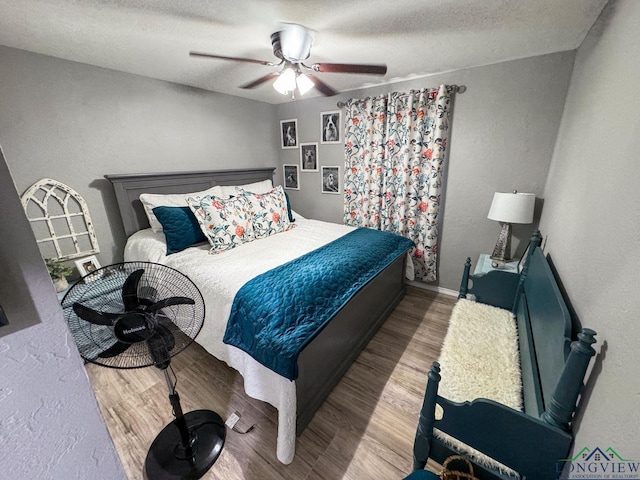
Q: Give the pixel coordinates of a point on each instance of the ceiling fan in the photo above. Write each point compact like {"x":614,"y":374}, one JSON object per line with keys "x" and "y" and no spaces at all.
{"x":291,"y":46}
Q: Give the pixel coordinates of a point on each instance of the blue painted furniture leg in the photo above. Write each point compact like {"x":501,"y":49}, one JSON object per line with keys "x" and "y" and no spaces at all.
{"x":424,"y":432}
{"x":464,"y":284}
{"x":560,"y":410}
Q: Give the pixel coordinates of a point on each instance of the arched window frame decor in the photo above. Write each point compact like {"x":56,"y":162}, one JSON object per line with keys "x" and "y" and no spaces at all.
{"x":66,"y":197}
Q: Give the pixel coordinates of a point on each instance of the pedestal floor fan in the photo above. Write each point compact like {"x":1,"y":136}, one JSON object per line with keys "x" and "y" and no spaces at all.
{"x":138,"y":314}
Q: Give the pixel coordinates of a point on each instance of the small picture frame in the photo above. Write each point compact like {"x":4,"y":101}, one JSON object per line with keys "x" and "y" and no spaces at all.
{"x":289,"y":133}
{"x":331,"y":180}
{"x":86,"y":266}
{"x":291,"y":176}
{"x":309,"y":157}
{"x":330,"y":126}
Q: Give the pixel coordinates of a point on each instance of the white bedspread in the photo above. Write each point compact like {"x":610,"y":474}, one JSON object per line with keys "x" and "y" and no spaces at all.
{"x":219,"y":277}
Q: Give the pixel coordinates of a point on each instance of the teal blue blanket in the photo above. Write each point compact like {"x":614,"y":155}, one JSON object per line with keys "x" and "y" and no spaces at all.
{"x":276,"y":314}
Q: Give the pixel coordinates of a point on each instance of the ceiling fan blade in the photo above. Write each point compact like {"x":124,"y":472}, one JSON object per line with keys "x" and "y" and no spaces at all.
{"x":168,"y":302}
{"x":260,"y":80}
{"x":116,"y":349}
{"x":130,"y":290}
{"x":350,"y":68}
{"x":160,"y":345}
{"x":322,"y":87}
{"x":92,"y":316}
{"x":236,"y":59}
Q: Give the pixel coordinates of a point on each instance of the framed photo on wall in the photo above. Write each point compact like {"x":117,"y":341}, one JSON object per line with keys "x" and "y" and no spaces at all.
{"x":331,"y":126}
{"x":309,"y":157}
{"x":289,"y":133}
{"x":291,"y":176}
{"x":331,"y":180}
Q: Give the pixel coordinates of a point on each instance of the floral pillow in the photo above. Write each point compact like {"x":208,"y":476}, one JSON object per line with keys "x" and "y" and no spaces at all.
{"x":225,"y":222}
{"x":269,"y":211}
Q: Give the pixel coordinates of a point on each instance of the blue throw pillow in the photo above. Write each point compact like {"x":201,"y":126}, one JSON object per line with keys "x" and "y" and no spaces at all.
{"x":180,"y":227}
{"x":291,"y":219}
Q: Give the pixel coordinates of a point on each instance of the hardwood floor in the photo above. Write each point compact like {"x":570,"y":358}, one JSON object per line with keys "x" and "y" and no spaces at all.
{"x":364,"y":430}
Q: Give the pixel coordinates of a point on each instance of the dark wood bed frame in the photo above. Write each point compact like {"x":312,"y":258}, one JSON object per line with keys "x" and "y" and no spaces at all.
{"x":533,"y":442}
{"x":326,"y":359}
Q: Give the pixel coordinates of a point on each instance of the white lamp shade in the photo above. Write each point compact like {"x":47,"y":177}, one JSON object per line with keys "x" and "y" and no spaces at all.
{"x":303,"y":83}
{"x":286,"y":81}
{"x":512,"y":207}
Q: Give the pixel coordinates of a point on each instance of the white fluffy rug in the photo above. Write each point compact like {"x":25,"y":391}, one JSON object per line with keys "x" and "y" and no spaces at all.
{"x":480,"y":359}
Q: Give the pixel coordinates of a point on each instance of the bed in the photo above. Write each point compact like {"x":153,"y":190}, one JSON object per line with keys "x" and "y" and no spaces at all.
{"x":325,"y":359}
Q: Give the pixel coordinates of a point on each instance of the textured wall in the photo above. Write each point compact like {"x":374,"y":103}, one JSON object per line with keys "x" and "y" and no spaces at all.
{"x":50,"y":424}
{"x":75,"y":123}
{"x":591,"y":220}
{"x":502,"y":136}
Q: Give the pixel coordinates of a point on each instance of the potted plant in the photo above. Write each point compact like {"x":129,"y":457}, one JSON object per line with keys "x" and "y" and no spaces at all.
{"x":58,"y":272}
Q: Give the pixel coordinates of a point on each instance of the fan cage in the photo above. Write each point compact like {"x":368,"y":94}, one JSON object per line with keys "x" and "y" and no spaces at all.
{"x":101,"y":290}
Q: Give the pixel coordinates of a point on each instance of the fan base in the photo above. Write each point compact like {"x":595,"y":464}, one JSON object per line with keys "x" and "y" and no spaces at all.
{"x":164,"y":457}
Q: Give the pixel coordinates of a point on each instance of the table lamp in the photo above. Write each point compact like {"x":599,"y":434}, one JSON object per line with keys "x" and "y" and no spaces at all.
{"x":508,"y":208}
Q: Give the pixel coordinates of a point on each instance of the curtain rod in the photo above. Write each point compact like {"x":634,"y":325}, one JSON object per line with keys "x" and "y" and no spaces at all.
{"x":455,"y":88}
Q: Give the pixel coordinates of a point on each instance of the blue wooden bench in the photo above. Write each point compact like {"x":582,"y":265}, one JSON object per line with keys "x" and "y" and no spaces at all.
{"x":553,"y":360}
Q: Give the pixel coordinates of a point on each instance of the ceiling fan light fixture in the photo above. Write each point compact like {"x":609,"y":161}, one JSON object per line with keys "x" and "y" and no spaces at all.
{"x":295,"y":41}
{"x":304,"y":83}
{"x":291,"y":45}
{"x":286,"y":81}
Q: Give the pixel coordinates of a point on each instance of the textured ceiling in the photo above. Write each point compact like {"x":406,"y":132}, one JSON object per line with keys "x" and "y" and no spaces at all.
{"x":413,"y":37}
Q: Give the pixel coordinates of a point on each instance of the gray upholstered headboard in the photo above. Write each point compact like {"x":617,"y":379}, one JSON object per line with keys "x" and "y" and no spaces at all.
{"x":129,"y":187}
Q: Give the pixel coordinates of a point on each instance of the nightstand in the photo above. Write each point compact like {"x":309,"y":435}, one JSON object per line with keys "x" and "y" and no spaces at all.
{"x":484,"y":265}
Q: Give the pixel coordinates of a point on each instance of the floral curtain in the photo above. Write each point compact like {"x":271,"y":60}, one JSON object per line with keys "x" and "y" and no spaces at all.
{"x":394,"y":161}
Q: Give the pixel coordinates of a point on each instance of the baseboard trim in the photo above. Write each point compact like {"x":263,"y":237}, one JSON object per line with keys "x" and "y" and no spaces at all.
{"x":433,"y":288}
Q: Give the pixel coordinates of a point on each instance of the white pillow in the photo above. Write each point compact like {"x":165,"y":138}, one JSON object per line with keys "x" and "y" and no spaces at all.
{"x":153,"y":200}
{"x":258,"y":187}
